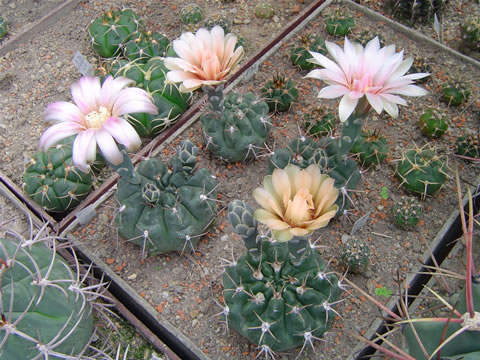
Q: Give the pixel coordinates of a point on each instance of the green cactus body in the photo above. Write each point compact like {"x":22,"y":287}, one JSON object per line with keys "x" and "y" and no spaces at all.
{"x":279,"y":93}
{"x":273,"y":297}
{"x":470,"y":34}
{"x":371,"y":148}
{"x":339,"y":24}
{"x":406,"y":212}
{"x":53,"y":182}
{"x":413,"y":11}
{"x":264,"y":10}
{"x":318,"y":123}
{"x":41,"y":302}
{"x":218,"y":19}
{"x":300,"y":53}
{"x":170,"y":102}
{"x":191,"y":14}
{"x":433,"y":123}
{"x":144,"y":45}
{"x":112,"y":30}
{"x":468,"y":145}
{"x":166,"y":207}
{"x":422,"y":171}
{"x":239,"y":130}
{"x":454,"y":94}
{"x":3,"y":28}
{"x":355,"y":254}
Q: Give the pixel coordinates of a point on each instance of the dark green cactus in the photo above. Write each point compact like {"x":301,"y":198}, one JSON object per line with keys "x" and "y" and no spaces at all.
{"x":422,"y":171}
{"x":318,"y":123}
{"x":191,"y":14}
{"x":454,"y":93}
{"x":218,"y":19}
{"x":112,"y":30}
{"x":469,"y":33}
{"x":339,"y":24}
{"x":264,"y":10}
{"x":279,"y":294}
{"x":468,"y":145}
{"x":355,"y":254}
{"x":144,"y":45}
{"x":170,"y":102}
{"x":235,"y":129}
{"x":406,"y":212}
{"x":53,"y":182}
{"x":370,"y":147}
{"x":165,"y":207}
{"x":279,"y":93}
{"x":300,"y":52}
{"x":413,"y":11}
{"x":433,"y":123}
{"x":3,"y":28}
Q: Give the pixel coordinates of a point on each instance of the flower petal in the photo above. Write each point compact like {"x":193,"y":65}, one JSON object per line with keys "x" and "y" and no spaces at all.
{"x":346,"y":107}
{"x":108,"y":147}
{"x":57,"y":132}
{"x":87,"y":93}
{"x":84,"y":149}
{"x":270,"y":220}
{"x":63,"y":111}
{"x":123,"y":133}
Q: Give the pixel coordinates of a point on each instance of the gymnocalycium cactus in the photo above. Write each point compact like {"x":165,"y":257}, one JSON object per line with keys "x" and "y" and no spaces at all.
{"x":370,"y":147}
{"x":355,"y":254}
{"x":264,"y":10}
{"x":237,"y":127}
{"x":406,"y":212}
{"x":468,"y":145}
{"x":470,"y":34}
{"x":433,"y":123}
{"x":52,"y":180}
{"x":415,"y":10}
{"x":3,"y":28}
{"x":339,"y":24}
{"x":191,"y":14}
{"x":112,"y":30}
{"x":454,"y":93}
{"x":300,"y":53}
{"x":144,"y":45}
{"x":318,"y":123}
{"x":165,"y":207}
{"x":279,"y":93}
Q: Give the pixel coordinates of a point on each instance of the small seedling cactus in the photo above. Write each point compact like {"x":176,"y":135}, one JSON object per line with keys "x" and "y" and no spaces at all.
{"x":218,"y":19}
{"x":300,"y":52}
{"x":422,"y":171}
{"x":355,"y":254}
{"x":318,"y":123}
{"x":165,"y":207}
{"x":3,"y":28}
{"x":339,"y":24}
{"x":371,"y":148}
{"x":279,"y":93}
{"x":235,"y":128}
{"x":264,"y":10}
{"x":406,"y":212}
{"x":433,"y":123}
{"x":468,"y":146}
{"x":413,"y":11}
{"x":454,"y":93}
{"x":52,"y":180}
{"x":191,"y":14}
{"x":112,"y":30}
{"x":144,"y":45}
{"x":470,"y":34}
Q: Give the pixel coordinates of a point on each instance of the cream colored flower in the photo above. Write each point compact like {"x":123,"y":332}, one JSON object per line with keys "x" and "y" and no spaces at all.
{"x":296,"y":202}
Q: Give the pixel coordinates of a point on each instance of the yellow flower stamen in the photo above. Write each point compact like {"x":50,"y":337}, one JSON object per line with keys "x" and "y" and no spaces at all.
{"x":95,"y":119}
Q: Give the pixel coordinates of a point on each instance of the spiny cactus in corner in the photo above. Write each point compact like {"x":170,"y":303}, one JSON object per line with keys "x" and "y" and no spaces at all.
{"x":339,"y":24}
{"x":406,"y":212}
{"x":370,"y":147}
{"x":3,"y":28}
{"x":468,"y":145}
{"x":454,"y":93}
{"x":235,"y":128}
{"x":53,"y":182}
{"x":355,"y":254}
{"x":300,"y":51}
{"x":319,"y":123}
{"x":145,"y":45}
{"x":279,"y":93}
{"x":433,"y":123}
{"x":470,"y":34}
{"x":165,"y":207}
{"x":413,"y":11}
{"x":191,"y":14}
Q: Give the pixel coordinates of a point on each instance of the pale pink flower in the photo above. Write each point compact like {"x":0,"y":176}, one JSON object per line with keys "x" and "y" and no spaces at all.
{"x":296,"y":202}
{"x":372,"y":73}
{"x":205,"y":58}
{"x":96,"y":118}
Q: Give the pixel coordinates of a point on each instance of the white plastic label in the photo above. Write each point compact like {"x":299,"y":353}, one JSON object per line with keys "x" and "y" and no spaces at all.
{"x":82,"y":64}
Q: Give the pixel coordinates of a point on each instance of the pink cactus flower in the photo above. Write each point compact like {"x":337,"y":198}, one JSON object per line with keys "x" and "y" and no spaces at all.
{"x":96,"y":118}
{"x":205,"y":58}
{"x":366,"y":77}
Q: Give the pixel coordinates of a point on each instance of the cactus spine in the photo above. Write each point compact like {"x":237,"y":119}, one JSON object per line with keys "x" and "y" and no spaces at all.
{"x":370,"y":147}
{"x":406,"y":212}
{"x":339,"y":24}
{"x":318,"y":123}
{"x":300,"y":53}
{"x":433,"y":123}
{"x":355,"y":254}
{"x":144,"y":45}
{"x":279,"y":93}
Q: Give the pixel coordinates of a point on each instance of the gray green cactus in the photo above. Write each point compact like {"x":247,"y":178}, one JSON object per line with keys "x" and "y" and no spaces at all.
{"x":264,"y":10}
{"x":191,"y":14}
{"x":406,"y":212}
{"x":279,"y":93}
{"x":235,"y":128}
{"x":300,"y":51}
{"x":370,"y":147}
{"x":468,"y":145}
{"x":165,"y":207}
{"x":279,"y":295}
{"x":454,"y":93}
{"x":470,"y":34}
{"x":109,"y":32}
{"x":355,"y":254}
{"x":433,"y":123}
{"x":319,"y":123}
{"x":339,"y":24}
{"x":53,"y":182}
{"x":145,"y":45}
{"x":413,"y":11}
{"x":3,"y":28}
{"x":218,"y":19}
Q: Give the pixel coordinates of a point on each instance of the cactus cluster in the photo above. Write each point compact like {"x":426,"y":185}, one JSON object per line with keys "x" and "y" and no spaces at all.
{"x":264,"y":10}
{"x":406,"y":212}
{"x":470,"y":34}
{"x":468,"y":145}
{"x":146,"y":45}
{"x":191,"y":14}
{"x":235,"y":128}
{"x":3,"y":28}
{"x":339,"y":24}
{"x":355,"y":254}
{"x":300,"y":52}
{"x":454,"y":93}
{"x":53,"y":182}
{"x":279,"y":295}
{"x":279,"y":93}
{"x":433,"y":123}
{"x":370,"y":147}
{"x":165,"y":207}
{"x":413,"y":11}
{"x":319,"y":123}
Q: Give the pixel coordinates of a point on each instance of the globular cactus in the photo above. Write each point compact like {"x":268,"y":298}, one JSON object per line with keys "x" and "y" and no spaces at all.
{"x":355,"y":254}
{"x":433,"y":123}
{"x":339,"y":24}
{"x":413,"y":11}
{"x":421,"y":65}
{"x":191,"y":14}
{"x":318,"y":123}
{"x":53,"y":182}
{"x":3,"y":28}
{"x":170,"y":102}
{"x":235,"y":128}
{"x":422,"y":171}
{"x":144,"y":45}
{"x":112,"y":30}
{"x":406,"y":212}
{"x":468,"y":145}
{"x":264,"y":10}
{"x":218,"y":19}
{"x":273,"y":296}
{"x":454,"y":93}
{"x":279,"y":93}
{"x":165,"y":207}
{"x":470,"y":34}
{"x":300,"y":52}
{"x":370,"y":147}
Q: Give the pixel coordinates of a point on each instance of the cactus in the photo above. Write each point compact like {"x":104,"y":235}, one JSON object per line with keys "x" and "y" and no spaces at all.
{"x":237,"y":127}
{"x":365,"y":36}
{"x":53,"y":182}
{"x":406,"y":212}
{"x":300,"y":53}
{"x":112,"y":30}
{"x":413,"y":11}
{"x":318,"y":123}
{"x":165,"y":207}
{"x":46,"y":311}
{"x":355,"y":254}
{"x":433,"y":123}
{"x":278,"y":294}
{"x":220,"y":20}
{"x":264,"y":10}
{"x":145,"y":45}
{"x":469,"y":33}
{"x":279,"y":93}
{"x":171,"y":103}
{"x":422,"y":171}
{"x":370,"y":147}
{"x":421,"y":65}
{"x":3,"y":28}
{"x":191,"y":14}
{"x":454,"y":93}
{"x":339,"y":24}
{"x":468,"y":145}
